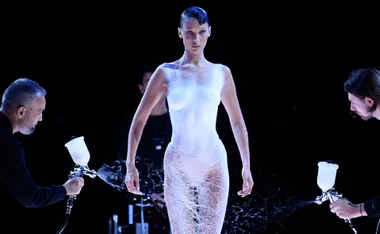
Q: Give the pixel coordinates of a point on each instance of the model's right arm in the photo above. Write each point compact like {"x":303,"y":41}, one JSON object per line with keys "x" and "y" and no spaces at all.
{"x":155,"y":90}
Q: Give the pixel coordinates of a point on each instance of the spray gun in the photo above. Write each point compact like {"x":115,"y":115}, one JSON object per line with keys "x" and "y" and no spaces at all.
{"x":78,"y":171}
{"x":80,"y":155}
{"x":326,"y":180}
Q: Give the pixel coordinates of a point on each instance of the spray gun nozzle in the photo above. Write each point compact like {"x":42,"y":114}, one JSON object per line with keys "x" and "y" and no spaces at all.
{"x":318,"y":202}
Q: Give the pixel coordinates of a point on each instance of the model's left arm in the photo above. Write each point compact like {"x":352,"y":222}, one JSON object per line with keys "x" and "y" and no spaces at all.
{"x":231,"y":104}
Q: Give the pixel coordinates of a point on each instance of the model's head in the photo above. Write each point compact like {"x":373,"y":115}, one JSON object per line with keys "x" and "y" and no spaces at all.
{"x":363,"y":89}
{"x":24,"y":102}
{"x":194,"y":29}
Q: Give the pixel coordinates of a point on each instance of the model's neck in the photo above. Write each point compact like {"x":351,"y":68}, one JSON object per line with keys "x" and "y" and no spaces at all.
{"x":194,"y":59}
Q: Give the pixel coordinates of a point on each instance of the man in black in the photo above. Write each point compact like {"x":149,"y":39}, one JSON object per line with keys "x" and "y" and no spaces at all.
{"x":22,"y":105}
{"x":363,"y":91}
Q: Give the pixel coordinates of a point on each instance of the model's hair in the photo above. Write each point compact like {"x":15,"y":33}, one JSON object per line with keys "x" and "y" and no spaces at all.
{"x":20,"y":93}
{"x":194,"y":12}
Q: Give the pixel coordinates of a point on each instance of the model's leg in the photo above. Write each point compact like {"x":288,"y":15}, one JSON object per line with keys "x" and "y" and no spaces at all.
{"x":213,"y":197}
{"x":196,"y":191}
{"x":178,"y":194}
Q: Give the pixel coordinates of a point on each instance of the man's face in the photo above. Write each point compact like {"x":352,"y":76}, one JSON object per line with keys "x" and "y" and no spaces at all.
{"x":145,"y":80}
{"x":30,"y":114}
{"x":361,"y":106}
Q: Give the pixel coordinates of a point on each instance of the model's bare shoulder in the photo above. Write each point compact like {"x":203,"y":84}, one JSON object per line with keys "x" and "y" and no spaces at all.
{"x":225,"y":69}
{"x":161,"y":72}
{"x":158,"y":80}
{"x":167,"y":70}
{"x":226,"y":76}
{"x":221,"y":67}
{"x":170,"y":66}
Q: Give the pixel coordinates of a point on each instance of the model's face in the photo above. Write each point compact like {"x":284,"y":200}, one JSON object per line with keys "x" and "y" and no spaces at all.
{"x":194,"y":35}
{"x":361,"y":106}
{"x":30,"y":114}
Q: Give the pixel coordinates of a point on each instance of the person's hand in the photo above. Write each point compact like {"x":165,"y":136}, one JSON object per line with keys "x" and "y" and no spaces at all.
{"x":158,"y":200}
{"x":247,"y":182}
{"x":74,"y":185}
{"x":132,"y":180}
{"x":344,"y":209}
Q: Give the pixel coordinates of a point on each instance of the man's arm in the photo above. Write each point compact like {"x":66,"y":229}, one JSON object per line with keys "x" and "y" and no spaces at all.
{"x":372,"y":207}
{"x":16,"y":177}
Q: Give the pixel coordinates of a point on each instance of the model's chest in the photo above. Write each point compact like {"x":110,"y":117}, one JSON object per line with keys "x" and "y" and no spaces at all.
{"x":198,"y":88}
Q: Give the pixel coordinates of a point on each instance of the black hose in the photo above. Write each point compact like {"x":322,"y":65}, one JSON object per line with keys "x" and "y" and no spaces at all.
{"x":64,"y":224}
{"x":69,"y":206}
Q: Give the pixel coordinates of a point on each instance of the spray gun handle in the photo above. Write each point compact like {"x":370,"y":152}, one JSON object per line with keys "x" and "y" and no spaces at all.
{"x":352,"y":225}
{"x":77,"y":172}
{"x":334,"y":196}
{"x":70,"y":203}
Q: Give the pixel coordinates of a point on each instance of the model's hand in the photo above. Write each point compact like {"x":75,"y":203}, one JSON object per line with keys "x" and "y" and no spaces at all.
{"x":132,"y":180}
{"x":247,"y":182}
{"x":344,"y":209}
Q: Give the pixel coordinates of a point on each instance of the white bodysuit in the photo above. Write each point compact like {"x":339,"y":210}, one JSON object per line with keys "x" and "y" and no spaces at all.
{"x":195,"y":163}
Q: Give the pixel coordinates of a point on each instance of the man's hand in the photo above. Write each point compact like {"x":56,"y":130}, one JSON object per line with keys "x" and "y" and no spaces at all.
{"x":74,"y":185}
{"x":158,"y":200}
{"x":344,"y":209}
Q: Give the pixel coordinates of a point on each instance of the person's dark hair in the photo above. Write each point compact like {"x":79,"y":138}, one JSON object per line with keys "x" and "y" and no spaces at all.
{"x":21,"y":92}
{"x":194,"y":12}
{"x":364,"y":82}
{"x":146,"y":67}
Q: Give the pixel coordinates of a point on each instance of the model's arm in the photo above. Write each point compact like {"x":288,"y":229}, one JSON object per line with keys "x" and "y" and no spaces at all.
{"x":231,"y":103}
{"x":154,"y":91}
